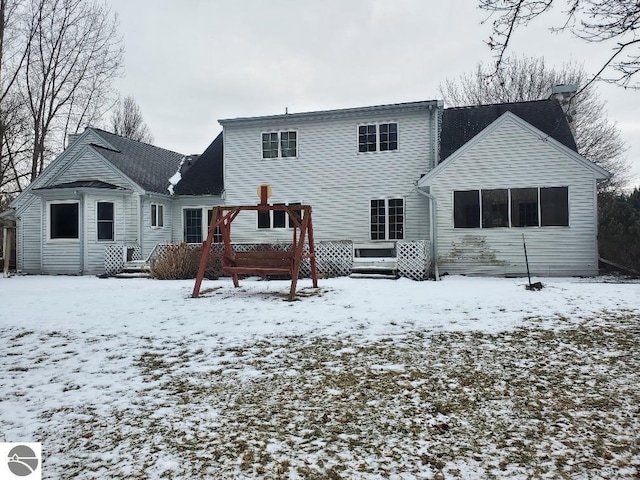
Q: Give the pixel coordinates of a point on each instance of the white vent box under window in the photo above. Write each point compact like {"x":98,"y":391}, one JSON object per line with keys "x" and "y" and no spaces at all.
{"x":375,"y":257}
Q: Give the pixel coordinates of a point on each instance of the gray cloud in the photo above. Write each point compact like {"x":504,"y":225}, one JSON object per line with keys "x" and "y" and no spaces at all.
{"x":192,"y":62}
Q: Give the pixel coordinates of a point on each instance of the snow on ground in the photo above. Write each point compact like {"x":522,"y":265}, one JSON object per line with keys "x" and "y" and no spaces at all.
{"x":477,"y":378}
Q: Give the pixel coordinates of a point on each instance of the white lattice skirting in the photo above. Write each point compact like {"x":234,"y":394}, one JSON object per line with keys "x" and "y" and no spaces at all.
{"x":334,"y":259}
{"x":115,"y":255}
{"x":414,"y":259}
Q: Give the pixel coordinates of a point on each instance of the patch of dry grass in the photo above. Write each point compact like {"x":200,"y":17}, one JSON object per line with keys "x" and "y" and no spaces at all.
{"x":530,"y":403}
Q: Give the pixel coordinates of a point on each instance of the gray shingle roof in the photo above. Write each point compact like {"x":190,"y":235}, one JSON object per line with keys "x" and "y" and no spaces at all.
{"x":205,"y":176}
{"x":461,"y":124}
{"x":147,"y":165}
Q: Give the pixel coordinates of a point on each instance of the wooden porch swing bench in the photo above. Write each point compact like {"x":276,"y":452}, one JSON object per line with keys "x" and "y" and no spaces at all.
{"x":263,"y":262}
{"x":258,"y":262}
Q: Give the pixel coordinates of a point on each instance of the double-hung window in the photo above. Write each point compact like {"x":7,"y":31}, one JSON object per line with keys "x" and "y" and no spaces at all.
{"x":157,"y":215}
{"x":280,"y":144}
{"x":64,"y":220}
{"x":105,"y":215}
{"x":377,"y":137}
{"x":514,"y":207}
{"x":387,"y":219}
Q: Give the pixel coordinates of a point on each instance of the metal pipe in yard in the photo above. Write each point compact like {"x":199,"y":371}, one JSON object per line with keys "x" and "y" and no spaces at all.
{"x":526,"y":259}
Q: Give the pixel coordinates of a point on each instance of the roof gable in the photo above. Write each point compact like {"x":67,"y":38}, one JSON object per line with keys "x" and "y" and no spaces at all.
{"x":571,"y":154}
{"x":461,"y":124}
{"x":58,"y":164}
{"x":147,"y":165}
{"x":205,"y":176}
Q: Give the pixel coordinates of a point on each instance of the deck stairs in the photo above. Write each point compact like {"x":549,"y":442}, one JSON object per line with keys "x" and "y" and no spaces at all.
{"x":135,"y":269}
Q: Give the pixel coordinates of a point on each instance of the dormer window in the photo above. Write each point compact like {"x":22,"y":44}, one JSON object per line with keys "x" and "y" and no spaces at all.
{"x":280,"y":144}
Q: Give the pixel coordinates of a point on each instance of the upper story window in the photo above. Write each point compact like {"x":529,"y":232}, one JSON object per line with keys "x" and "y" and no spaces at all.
{"x":515,"y":207}
{"x":377,"y":137}
{"x":279,"y":144}
{"x":157,"y":215}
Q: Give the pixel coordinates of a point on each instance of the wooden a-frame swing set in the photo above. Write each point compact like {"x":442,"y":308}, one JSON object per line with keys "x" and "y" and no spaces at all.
{"x":261,"y":262}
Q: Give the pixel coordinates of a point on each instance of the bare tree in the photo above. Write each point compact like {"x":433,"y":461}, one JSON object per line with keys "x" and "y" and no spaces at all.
{"x":13,"y":128}
{"x":528,"y":78}
{"x":611,"y":22}
{"x":127,"y":121}
{"x":72,"y":58}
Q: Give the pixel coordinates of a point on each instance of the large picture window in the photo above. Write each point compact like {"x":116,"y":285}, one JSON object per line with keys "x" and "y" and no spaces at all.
{"x":554,"y":206}
{"x":495,"y":208}
{"x":105,"y":221}
{"x":466,"y":209}
{"x":524,"y":207}
{"x":387,"y":219}
{"x":377,"y":137}
{"x":63,"y":220}
{"x":515,"y":207}
{"x":280,"y":144}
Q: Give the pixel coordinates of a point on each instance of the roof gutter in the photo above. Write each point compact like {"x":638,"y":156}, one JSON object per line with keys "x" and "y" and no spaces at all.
{"x":432,"y":230}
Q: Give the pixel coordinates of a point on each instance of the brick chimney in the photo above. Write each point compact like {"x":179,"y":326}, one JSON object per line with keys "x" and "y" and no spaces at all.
{"x":564,"y":94}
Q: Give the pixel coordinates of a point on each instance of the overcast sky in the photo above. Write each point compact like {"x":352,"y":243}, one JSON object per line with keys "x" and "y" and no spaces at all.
{"x":189,"y":63}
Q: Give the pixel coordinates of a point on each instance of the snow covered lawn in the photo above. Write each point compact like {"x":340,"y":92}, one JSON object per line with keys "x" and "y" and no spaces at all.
{"x":375,"y":379}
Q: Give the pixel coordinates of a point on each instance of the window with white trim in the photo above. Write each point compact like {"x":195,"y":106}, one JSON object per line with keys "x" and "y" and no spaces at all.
{"x":515,"y":207}
{"x":195,"y":228}
{"x":387,"y":219}
{"x":277,"y":219}
{"x":157,"y":215}
{"x":280,"y":144}
{"x":64,"y":220}
{"x":105,"y":216}
{"x":377,"y":137}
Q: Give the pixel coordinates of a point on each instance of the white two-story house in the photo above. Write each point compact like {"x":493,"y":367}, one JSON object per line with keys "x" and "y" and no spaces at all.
{"x":411,"y":186}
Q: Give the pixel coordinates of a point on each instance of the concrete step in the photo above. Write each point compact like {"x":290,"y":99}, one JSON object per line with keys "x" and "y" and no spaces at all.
{"x":376,"y":275}
{"x":136,"y":266}
{"x":133,"y":275}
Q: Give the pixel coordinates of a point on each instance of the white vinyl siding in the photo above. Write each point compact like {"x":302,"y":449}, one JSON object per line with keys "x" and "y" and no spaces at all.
{"x":89,"y":166}
{"x":510,"y":156}
{"x":330,"y":175}
{"x":39,"y":254}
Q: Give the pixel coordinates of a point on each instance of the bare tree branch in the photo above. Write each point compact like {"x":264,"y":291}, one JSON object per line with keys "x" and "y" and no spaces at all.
{"x":616,"y":22}
{"x":127,"y":121}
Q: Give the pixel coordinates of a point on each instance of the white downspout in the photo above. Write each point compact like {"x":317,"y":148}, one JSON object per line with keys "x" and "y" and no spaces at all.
{"x":432,"y":230}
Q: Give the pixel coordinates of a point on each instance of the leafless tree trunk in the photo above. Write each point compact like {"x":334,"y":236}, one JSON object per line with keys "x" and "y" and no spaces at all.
{"x":58,"y":59}
{"x":13,"y":39}
{"x":127,"y":121}
{"x":526,"y":78}
{"x":71,"y":61}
